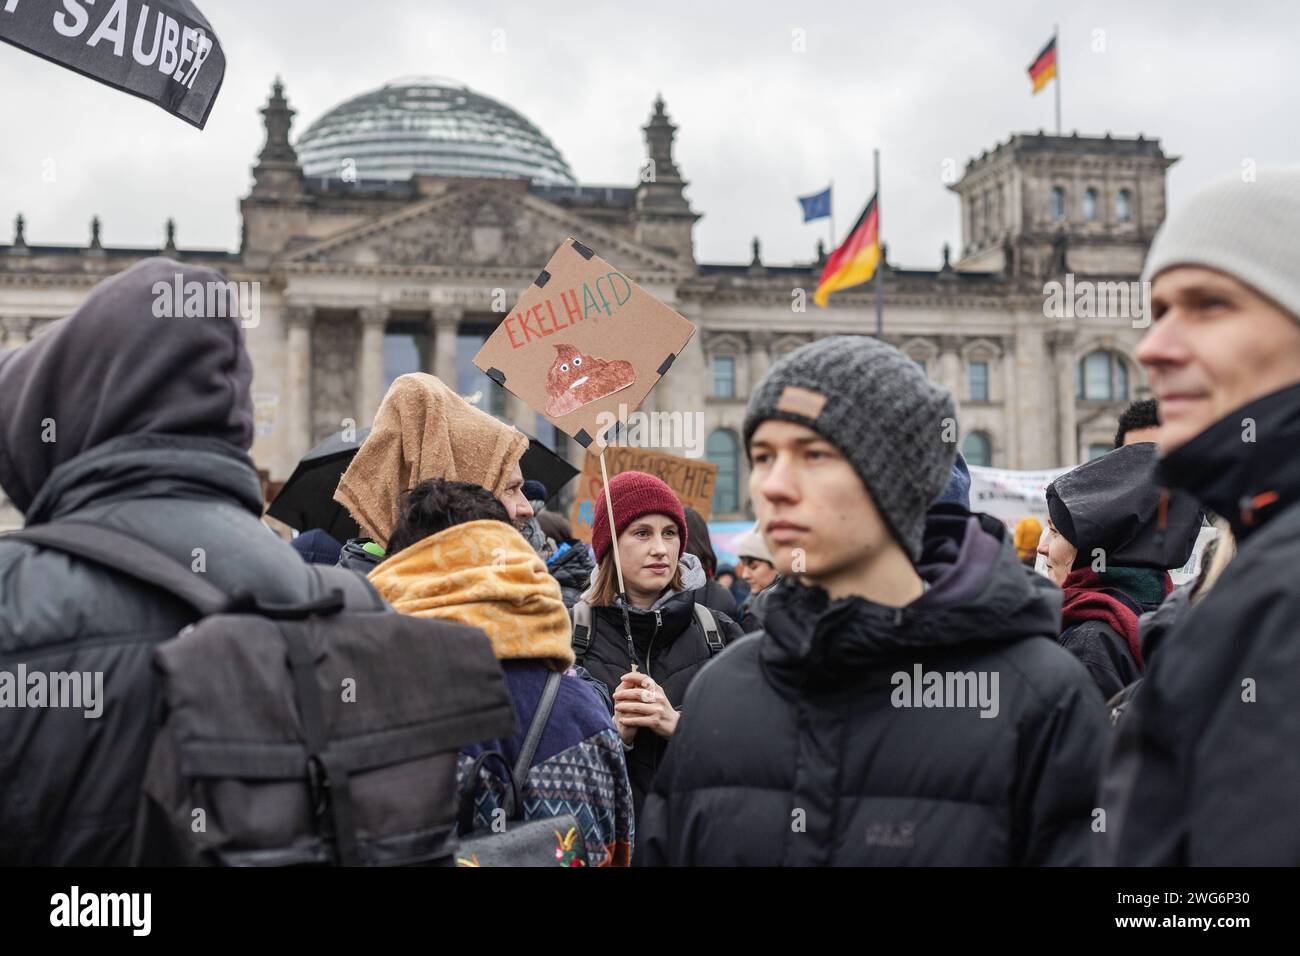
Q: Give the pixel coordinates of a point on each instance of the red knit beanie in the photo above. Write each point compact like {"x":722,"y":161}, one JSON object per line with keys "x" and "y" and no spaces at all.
{"x":634,"y":494}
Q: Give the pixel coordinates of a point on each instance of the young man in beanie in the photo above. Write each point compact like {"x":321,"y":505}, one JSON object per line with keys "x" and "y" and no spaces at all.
{"x":1206,"y":768}
{"x":906,"y":702}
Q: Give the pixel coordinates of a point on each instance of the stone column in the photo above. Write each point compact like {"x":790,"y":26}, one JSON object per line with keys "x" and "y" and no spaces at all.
{"x":948,"y":373}
{"x":445,"y":321}
{"x":1067,"y":442}
{"x":297,"y":381}
{"x":370,"y":375}
{"x":1010,"y":401}
{"x":15,"y":331}
{"x":760,"y":359}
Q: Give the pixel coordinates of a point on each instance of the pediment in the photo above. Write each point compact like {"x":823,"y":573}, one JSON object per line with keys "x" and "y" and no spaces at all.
{"x":482,"y":226}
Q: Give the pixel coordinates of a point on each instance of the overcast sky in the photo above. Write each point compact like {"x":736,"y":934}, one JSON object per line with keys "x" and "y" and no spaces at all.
{"x":759,"y":122}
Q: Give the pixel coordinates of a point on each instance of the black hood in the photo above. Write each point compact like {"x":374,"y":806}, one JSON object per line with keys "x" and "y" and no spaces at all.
{"x":1115,"y":503}
{"x":113,"y":368}
{"x":978,"y":592}
{"x":1246,"y":481}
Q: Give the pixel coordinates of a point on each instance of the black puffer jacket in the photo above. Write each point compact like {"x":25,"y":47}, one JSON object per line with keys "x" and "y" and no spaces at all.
{"x":1205,"y":769}
{"x":717,"y":598}
{"x":672,"y":637}
{"x":572,"y":570}
{"x":152,"y":416}
{"x":794,"y":749}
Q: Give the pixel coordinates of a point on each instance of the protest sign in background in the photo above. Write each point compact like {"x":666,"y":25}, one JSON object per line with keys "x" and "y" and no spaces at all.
{"x":691,"y":479}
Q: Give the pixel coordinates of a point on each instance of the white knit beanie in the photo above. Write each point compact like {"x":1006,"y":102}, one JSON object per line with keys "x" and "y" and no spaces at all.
{"x":1249,"y":230}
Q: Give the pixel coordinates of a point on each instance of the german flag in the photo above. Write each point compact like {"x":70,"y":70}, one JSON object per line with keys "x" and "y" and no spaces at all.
{"x":1044,"y":66}
{"x":854,"y":262}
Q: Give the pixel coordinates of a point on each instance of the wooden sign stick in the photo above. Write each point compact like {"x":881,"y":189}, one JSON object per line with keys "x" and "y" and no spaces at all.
{"x":618,"y":564}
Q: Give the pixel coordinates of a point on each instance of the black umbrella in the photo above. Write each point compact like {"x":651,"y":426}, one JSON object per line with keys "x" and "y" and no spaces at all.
{"x":307,"y":499}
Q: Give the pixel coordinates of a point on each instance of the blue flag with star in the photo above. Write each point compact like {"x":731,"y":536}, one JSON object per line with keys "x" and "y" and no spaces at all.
{"x":816,"y":206}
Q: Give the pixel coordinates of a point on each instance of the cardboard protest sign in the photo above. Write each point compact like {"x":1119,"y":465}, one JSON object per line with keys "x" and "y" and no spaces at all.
{"x":691,"y":479}
{"x":582,"y":340}
{"x":164,"y":51}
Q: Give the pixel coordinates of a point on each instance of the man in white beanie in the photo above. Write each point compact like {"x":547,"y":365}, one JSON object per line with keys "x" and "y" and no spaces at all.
{"x":1206,"y":766}
{"x":756,"y":566}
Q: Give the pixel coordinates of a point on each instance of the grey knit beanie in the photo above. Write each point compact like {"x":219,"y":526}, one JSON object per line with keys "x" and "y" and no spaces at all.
{"x":877,"y":407}
{"x":1249,"y":230}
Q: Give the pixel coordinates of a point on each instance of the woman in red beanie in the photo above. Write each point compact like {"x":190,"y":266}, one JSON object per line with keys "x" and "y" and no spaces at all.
{"x":655,"y":625}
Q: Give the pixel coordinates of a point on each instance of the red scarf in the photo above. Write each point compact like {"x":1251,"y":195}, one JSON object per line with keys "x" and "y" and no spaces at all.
{"x":1091,"y":597}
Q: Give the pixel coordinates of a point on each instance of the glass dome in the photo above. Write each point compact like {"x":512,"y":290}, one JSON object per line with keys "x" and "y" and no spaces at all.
{"x":428,"y":126}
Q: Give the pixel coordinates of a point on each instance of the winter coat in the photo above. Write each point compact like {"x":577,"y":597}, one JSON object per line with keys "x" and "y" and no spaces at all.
{"x":153,"y":417}
{"x":717,"y":598}
{"x":1128,"y":533}
{"x":573,"y":570}
{"x":671,"y":637}
{"x":755,"y":606}
{"x":1101,"y":616}
{"x":1205,"y":768}
{"x":808,"y":742}
{"x":483,"y":573}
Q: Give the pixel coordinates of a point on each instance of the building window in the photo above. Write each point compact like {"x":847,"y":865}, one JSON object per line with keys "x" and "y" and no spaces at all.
{"x":1101,"y":376}
{"x":723,"y":451}
{"x":1096,"y":450}
{"x":979,"y":381}
{"x":407,"y":349}
{"x":977,"y":449}
{"x":1124,"y":206}
{"x":1090,"y":204}
{"x":1058,"y":202}
{"x":471,"y":383}
{"x":724,"y":377}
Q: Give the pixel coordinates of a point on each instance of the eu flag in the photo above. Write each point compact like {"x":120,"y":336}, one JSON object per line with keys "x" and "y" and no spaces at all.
{"x":816,"y":206}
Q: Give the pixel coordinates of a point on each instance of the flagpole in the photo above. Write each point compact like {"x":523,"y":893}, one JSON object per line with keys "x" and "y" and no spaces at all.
{"x":1056,"y":43}
{"x":880,"y":263}
{"x":831,"y":207}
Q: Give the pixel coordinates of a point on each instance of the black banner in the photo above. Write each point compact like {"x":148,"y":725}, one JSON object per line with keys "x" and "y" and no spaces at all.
{"x":163,"y":51}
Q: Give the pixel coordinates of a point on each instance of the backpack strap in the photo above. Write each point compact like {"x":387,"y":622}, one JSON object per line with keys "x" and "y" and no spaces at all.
{"x":126,"y":554}
{"x":710,"y":625}
{"x":327,"y":771}
{"x":537,"y":727}
{"x":581,"y":629}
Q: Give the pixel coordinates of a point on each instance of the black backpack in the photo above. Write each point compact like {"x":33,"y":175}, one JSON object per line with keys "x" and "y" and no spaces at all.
{"x":315,"y":734}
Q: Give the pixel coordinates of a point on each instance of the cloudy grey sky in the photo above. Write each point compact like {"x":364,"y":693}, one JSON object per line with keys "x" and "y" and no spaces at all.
{"x":760,"y":122}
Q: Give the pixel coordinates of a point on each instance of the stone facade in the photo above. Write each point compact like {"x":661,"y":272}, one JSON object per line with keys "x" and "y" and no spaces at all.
{"x":340,"y":265}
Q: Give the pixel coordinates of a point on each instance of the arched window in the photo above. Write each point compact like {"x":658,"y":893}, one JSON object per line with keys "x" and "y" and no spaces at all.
{"x":1058,"y":202}
{"x":1101,"y":376}
{"x":1124,"y":206}
{"x":977,"y":449}
{"x":1090,"y":204}
{"x":723,"y":450}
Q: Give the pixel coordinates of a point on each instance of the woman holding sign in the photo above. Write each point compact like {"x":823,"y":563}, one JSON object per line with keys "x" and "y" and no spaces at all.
{"x":647,"y":644}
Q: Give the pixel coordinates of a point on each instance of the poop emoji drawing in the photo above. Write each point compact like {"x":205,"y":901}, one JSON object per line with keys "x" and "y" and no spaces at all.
{"x":574,"y":379}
